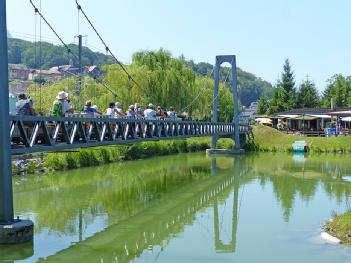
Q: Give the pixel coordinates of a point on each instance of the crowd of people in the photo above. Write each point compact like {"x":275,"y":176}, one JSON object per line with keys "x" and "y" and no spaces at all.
{"x":62,"y":106}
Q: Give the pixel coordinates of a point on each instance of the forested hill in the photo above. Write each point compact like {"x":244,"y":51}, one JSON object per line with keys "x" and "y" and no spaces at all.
{"x":27,"y":53}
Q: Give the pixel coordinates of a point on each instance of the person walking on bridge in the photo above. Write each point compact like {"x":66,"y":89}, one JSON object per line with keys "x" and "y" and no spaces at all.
{"x":111,"y":111}
{"x":89,"y":110}
{"x":150,"y":113}
{"x":61,"y":106}
{"x":119,"y":110}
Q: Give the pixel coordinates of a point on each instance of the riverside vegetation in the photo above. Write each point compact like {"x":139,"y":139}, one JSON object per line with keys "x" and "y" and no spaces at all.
{"x":60,"y":161}
{"x":340,"y":227}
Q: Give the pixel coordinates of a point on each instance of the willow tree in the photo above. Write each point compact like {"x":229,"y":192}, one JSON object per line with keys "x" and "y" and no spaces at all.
{"x":170,"y":81}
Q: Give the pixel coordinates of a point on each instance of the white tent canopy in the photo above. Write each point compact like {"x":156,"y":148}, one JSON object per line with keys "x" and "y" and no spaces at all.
{"x":322,"y":116}
{"x":346,"y":119}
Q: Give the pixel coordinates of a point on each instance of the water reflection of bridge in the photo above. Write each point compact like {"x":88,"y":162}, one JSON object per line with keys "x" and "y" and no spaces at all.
{"x":155,"y":227}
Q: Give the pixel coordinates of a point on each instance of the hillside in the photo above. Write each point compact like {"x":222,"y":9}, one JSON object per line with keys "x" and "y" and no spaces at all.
{"x":27,"y":53}
{"x":250,"y":87}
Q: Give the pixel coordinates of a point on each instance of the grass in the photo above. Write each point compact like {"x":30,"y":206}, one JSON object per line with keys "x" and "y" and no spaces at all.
{"x":340,"y":227}
{"x":272,"y":140}
{"x":101,"y":155}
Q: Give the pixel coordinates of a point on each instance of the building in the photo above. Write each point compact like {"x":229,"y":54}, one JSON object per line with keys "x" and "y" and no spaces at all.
{"x":58,"y":72}
{"x":51,"y":74}
{"x":312,"y":121}
{"x":18,"y":72}
{"x":248,"y":114}
{"x":93,"y":71}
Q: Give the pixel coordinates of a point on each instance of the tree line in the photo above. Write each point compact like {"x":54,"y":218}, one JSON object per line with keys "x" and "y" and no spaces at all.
{"x":287,"y":96}
{"x":28,"y":53}
{"x":45,"y":55}
{"x":162,"y":80}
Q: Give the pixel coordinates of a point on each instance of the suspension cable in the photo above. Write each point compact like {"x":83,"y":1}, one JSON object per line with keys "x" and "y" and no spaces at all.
{"x":79,"y":7}
{"x":198,"y":95}
{"x":224,"y":83}
{"x":52,"y":29}
{"x":40,"y":65}
{"x":107,"y":86}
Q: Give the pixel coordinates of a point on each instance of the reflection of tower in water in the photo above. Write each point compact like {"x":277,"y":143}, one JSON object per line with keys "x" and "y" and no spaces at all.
{"x":220,"y":246}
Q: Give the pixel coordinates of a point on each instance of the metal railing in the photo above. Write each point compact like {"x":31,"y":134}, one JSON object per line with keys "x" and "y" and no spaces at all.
{"x":39,"y":134}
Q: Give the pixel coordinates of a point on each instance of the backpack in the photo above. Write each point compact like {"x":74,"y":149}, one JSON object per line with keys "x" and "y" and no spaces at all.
{"x":57,"y":109}
{"x":25,"y":110}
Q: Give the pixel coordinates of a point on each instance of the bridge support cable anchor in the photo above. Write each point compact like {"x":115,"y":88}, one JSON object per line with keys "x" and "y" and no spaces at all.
{"x":12,"y":231}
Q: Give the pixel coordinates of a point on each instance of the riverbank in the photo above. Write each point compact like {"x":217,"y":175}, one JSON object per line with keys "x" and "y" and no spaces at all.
{"x":60,"y":161}
{"x":266,"y":139}
{"x":340,"y":227}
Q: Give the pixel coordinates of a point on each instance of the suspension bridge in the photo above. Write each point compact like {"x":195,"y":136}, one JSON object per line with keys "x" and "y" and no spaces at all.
{"x":28,"y":134}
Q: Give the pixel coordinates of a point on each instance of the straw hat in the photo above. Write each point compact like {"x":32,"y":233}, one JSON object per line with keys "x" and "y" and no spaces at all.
{"x":62,"y":95}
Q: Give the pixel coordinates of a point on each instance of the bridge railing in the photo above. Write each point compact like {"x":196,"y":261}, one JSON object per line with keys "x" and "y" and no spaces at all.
{"x":37,"y":134}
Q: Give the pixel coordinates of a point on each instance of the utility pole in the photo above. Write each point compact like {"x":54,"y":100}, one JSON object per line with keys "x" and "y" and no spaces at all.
{"x":12,"y":231}
{"x":80,"y":64}
{"x":80,"y":46}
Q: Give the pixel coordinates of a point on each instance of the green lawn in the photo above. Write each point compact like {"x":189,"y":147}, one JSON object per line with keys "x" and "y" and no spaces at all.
{"x":341,"y":227}
{"x":269,"y":139}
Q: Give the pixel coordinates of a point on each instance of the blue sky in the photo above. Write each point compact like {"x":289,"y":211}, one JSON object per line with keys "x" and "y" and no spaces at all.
{"x":313,"y":34}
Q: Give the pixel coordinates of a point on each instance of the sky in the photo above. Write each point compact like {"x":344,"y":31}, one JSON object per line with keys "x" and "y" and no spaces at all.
{"x":313,"y":34}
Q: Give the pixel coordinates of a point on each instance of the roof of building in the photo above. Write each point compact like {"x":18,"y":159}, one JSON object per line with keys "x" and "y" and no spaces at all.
{"x":18,"y":66}
{"x":51,"y":71}
{"x":61,"y":67}
{"x":313,"y":111}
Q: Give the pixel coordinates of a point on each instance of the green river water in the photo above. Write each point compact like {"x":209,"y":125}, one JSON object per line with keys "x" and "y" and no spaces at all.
{"x":186,"y":208}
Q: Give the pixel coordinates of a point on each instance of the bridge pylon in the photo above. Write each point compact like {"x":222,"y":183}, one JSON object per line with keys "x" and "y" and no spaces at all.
{"x":12,"y":231}
{"x":219,"y":61}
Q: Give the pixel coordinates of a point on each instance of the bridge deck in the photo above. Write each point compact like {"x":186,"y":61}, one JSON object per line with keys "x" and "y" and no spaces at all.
{"x":39,"y":134}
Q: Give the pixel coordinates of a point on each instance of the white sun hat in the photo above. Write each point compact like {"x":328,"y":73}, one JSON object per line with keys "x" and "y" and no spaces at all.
{"x":62,"y":95}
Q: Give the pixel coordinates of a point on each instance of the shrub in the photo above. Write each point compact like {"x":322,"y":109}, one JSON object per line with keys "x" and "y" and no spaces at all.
{"x":72,"y":160}
{"x":88,"y":158}
{"x":55,"y":161}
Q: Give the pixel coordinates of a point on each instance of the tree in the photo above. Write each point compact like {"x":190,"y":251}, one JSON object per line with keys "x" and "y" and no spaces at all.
{"x":262,"y":105}
{"x":338,"y":90}
{"x":278,"y":103}
{"x":287,"y":83}
{"x":307,"y":95}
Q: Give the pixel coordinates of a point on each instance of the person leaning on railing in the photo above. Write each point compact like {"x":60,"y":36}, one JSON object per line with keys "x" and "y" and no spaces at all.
{"x":131,"y":114}
{"x":160,"y":113}
{"x":111,"y":110}
{"x":150,"y":113}
{"x":89,"y":110}
{"x":172,"y":114}
{"x":119,"y":110}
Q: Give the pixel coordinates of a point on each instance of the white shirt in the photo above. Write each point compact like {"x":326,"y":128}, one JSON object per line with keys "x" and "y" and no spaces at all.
{"x":172,"y":114}
{"x":150,"y":114}
{"x":120,"y":112}
{"x":66,"y":106}
{"x":20,"y":104}
{"x":111,"y":112}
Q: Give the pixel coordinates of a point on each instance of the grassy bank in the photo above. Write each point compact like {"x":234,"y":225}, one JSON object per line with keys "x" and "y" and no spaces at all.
{"x":268,"y":139}
{"x":60,"y":161}
{"x":340,"y":227}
